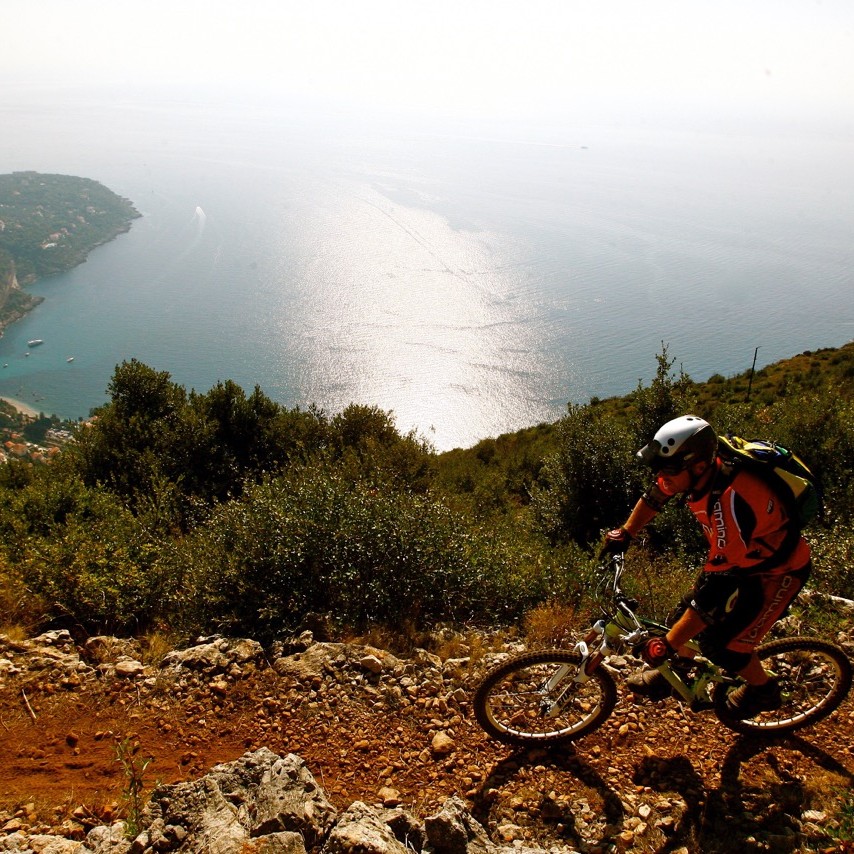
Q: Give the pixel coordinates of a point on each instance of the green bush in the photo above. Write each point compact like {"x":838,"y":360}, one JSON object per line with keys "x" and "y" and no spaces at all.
{"x":593,"y":480}
{"x":588,"y":485}
{"x":153,"y":432}
{"x":226,"y":512}
{"x":668,"y":396}
{"x":78,"y":551}
{"x":833,"y":560}
{"x":314,"y":541}
{"x":818,"y":426}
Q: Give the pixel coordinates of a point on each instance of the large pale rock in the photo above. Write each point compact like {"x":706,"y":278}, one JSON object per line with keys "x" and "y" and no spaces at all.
{"x":203,"y":808}
{"x":129,"y":668}
{"x":407,"y":829}
{"x":360,"y":830}
{"x":454,"y":831}
{"x":277,"y":843}
{"x":288,"y":798}
{"x":216,"y":655}
{"x":107,"y":840}
{"x":321,"y":660}
{"x":18,"y":843}
{"x":237,"y":805}
{"x":313,"y":663}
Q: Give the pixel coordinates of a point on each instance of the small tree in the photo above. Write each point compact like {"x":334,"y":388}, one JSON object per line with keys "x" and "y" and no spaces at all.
{"x":668,"y":396}
{"x":591,"y":483}
{"x":587,"y":485}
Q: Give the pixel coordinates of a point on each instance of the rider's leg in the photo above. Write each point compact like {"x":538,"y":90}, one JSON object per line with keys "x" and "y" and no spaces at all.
{"x":688,"y":626}
{"x":650,"y":683}
{"x":757,"y":606}
{"x":760,"y":601}
{"x":754,"y":673}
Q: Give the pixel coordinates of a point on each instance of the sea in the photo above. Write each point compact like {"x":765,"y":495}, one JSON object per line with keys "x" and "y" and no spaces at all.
{"x":470,"y":277}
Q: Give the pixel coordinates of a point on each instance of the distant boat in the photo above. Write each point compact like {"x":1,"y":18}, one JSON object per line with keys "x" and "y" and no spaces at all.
{"x":70,"y":359}
{"x":35,"y":342}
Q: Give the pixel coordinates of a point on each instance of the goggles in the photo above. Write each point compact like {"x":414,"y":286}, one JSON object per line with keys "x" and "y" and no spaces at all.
{"x":670,"y":468}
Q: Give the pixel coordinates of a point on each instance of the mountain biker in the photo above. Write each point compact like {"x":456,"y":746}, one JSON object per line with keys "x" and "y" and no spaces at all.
{"x":757,"y":562}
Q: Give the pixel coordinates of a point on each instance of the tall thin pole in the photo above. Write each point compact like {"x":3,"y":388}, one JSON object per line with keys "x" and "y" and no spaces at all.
{"x":750,"y":381}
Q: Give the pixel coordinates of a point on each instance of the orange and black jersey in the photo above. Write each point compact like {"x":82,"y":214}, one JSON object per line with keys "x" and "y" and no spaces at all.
{"x":747,"y":526}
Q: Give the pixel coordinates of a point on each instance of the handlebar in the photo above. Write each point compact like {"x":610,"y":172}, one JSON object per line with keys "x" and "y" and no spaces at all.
{"x":621,"y":602}
{"x":618,"y":562}
{"x":620,"y":611}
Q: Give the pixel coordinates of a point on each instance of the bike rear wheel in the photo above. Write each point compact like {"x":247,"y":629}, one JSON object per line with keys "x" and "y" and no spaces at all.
{"x":533,"y":699}
{"x":815,"y":677}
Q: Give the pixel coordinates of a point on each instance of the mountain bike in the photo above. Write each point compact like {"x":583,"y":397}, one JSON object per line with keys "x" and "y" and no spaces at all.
{"x":554,"y":696}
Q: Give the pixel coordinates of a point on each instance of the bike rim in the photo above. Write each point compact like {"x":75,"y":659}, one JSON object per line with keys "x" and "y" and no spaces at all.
{"x":515,"y":705}
{"x":808,"y":679}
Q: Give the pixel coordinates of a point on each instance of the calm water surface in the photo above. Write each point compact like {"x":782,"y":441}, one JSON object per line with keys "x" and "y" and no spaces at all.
{"x":471,"y":280}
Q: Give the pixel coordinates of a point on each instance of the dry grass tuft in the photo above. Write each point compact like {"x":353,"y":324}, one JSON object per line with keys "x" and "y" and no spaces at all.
{"x":473,"y":645}
{"x":155,"y":646}
{"x":551,"y":624}
{"x":21,"y":613}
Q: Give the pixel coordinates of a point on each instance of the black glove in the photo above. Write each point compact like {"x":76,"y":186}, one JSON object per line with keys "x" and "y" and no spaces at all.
{"x":615,"y":543}
{"x":656,"y":651}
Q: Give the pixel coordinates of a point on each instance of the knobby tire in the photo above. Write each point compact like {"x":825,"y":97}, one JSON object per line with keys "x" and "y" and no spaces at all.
{"x":815,"y":677}
{"x":509,"y":699}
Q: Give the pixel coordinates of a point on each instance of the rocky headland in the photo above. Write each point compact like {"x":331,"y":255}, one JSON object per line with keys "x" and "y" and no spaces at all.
{"x":48,"y":225}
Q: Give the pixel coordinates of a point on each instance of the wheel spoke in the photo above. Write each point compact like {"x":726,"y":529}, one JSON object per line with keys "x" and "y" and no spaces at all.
{"x":514,"y":703}
{"x":815,"y":677}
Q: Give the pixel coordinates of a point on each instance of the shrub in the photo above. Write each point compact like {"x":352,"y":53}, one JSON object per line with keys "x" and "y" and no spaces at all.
{"x":21,"y":611}
{"x":587,"y":486}
{"x":668,"y":396}
{"x":314,"y":541}
{"x":818,"y":426}
{"x":593,"y":480}
{"x":833,"y":560}
{"x":82,"y":555}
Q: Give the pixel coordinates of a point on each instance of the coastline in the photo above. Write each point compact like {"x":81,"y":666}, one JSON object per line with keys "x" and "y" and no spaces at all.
{"x":15,"y":302}
{"x":23,"y":408}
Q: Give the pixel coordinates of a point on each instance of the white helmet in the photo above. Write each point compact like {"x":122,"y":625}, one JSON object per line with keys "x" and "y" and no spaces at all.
{"x":681,"y":442}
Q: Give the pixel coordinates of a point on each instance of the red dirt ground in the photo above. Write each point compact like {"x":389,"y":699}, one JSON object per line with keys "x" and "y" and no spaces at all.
{"x":58,"y":755}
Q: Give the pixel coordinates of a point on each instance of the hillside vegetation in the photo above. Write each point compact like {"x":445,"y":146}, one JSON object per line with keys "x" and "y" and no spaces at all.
{"x":52,"y":222}
{"x":49,"y":224}
{"x":186,"y":513}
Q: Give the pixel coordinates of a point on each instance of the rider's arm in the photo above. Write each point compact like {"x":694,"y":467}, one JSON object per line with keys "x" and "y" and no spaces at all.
{"x":647,"y":508}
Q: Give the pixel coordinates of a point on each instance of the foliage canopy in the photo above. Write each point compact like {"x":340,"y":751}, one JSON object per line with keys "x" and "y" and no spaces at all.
{"x":224,"y":511}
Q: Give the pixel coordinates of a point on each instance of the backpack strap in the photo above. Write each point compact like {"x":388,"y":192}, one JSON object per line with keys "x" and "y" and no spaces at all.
{"x":723,"y":478}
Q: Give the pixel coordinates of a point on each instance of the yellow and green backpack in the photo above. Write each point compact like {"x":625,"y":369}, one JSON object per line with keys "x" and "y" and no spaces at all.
{"x":784,"y":471}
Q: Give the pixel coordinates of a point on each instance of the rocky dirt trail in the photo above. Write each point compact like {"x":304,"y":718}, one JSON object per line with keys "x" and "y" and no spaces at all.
{"x":399,"y":732}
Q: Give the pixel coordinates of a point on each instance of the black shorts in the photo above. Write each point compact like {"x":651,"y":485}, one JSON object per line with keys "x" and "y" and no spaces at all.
{"x":740,"y":607}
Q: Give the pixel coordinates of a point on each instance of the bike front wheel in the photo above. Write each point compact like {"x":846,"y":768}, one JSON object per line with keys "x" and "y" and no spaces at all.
{"x":534,"y":698}
{"x":815,"y":677}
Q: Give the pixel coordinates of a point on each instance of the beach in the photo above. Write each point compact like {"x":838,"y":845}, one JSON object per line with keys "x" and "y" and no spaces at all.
{"x":21,"y":406}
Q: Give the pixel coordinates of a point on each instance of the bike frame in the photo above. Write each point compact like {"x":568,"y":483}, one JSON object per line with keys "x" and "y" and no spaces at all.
{"x":626,"y":629}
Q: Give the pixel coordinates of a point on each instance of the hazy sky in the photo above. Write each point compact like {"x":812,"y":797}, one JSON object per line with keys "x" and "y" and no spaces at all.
{"x":488,"y":56}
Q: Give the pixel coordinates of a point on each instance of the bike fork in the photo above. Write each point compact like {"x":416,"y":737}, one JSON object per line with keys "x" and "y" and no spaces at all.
{"x":589,"y":663}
